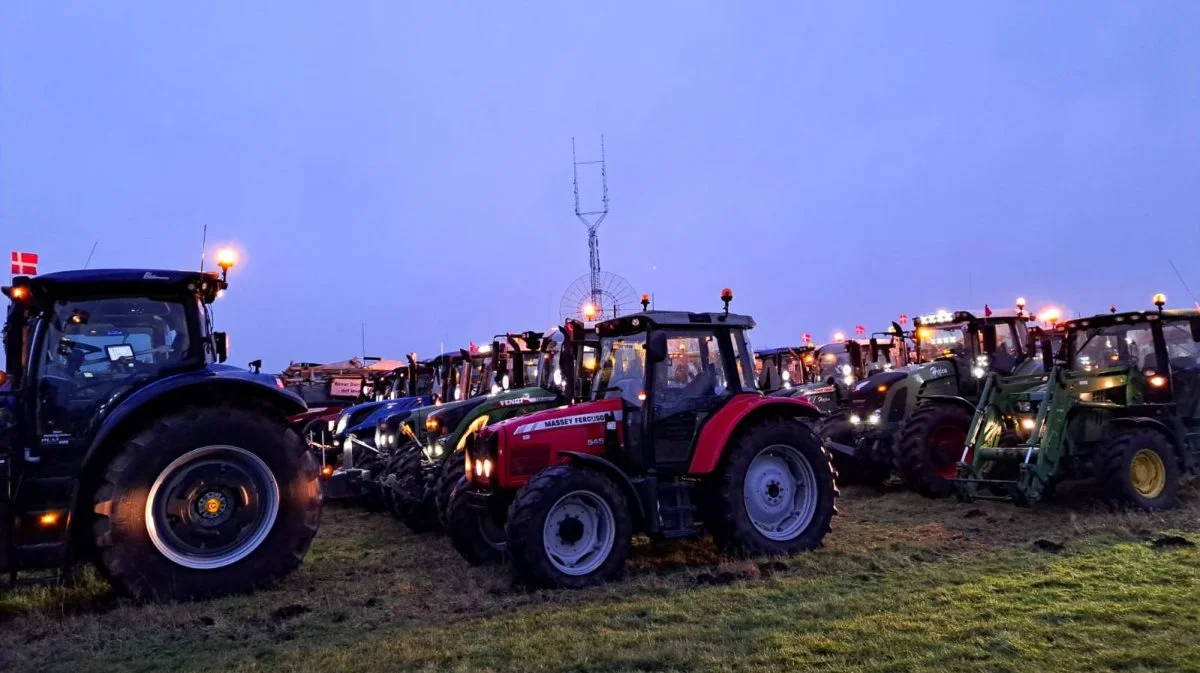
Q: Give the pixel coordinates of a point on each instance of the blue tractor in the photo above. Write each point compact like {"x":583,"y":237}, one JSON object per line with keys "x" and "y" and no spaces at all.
{"x":126,"y":441}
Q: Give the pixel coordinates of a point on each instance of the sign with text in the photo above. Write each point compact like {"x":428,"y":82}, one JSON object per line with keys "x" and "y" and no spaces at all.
{"x":345,"y":387}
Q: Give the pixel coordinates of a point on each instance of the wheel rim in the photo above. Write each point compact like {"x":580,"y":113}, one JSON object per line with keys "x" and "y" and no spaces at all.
{"x":780,"y":492}
{"x":945,"y":446}
{"x":579,"y":532}
{"x":491,"y":530}
{"x":212,"y":507}
{"x":1147,"y":473}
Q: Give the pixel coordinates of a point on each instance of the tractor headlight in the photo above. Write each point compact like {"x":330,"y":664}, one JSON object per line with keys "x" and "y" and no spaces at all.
{"x":378,"y":436}
{"x":1027,"y":423}
{"x":331,"y":425}
{"x":479,"y":467}
{"x":981,"y":366}
{"x":341,"y":424}
{"x":487,"y":468}
{"x":855,"y":419}
{"x":874,"y":418}
{"x":391,"y":439}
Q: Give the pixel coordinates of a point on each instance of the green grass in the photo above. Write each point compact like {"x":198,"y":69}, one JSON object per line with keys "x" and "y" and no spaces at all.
{"x":903,"y":584}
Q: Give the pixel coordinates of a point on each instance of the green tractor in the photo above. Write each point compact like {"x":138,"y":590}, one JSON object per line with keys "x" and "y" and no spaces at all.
{"x":1123,"y":407}
{"x":425,"y":470}
{"x":914,"y":418}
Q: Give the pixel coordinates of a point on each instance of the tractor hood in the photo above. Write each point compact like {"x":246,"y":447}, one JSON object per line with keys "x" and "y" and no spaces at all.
{"x":351,"y":418}
{"x":377,"y":411}
{"x":530,"y":443}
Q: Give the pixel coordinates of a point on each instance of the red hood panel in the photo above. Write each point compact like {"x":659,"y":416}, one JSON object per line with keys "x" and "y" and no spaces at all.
{"x":535,"y":442}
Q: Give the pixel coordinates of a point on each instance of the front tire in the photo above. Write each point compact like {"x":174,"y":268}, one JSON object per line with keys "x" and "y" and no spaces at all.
{"x":411,"y":491}
{"x":569,"y":527}
{"x":1139,"y":469}
{"x":206,"y":503}
{"x":454,"y":469}
{"x":930,"y":447}
{"x":476,"y":534}
{"x":776,"y":493}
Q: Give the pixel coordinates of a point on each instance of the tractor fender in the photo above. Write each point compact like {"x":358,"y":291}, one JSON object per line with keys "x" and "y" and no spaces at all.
{"x":1187,"y":460}
{"x":607,"y":468}
{"x":954,"y":399}
{"x":210,"y":386}
{"x":743,"y":409}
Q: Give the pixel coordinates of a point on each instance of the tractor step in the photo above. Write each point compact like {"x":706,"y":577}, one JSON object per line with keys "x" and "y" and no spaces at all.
{"x":676,"y":511}
{"x":1006,"y":453}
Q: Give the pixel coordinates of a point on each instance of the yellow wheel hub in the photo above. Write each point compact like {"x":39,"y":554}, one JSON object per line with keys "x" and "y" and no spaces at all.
{"x":212,"y":505}
{"x":1147,"y":473}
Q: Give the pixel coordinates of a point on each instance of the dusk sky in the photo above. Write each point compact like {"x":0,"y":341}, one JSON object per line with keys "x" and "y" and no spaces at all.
{"x":407,"y":165}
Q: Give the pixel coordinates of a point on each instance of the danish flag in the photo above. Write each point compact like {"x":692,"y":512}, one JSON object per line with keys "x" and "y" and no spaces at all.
{"x":903,"y":318}
{"x":24,"y":263}
{"x":987,"y":311}
{"x":807,"y":338}
{"x":860,"y":330}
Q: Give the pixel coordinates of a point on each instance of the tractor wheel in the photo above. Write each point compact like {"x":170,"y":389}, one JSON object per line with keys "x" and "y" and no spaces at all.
{"x":453,"y":470}
{"x":389,"y":482}
{"x":569,"y":527}
{"x":930,"y":446}
{"x":1139,"y":469}
{"x":776,"y":493}
{"x":476,"y":533}
{"x":411,"y":490}
{"x":851,"y":469}
{"x":372,"y":497}
{"x":208,"y":502}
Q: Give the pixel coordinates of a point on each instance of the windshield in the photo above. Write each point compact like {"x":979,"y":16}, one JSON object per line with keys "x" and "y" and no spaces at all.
{"x":832,"y":361}
{"x":934,"y":342}
{"x":1113,"y":346}
{"x":621,"y":363}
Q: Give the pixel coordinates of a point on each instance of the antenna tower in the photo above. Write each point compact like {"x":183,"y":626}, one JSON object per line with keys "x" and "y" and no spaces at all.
{"x":592,"y":218}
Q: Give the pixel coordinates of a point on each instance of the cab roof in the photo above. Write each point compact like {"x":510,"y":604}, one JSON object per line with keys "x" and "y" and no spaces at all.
{"x":1127,"y":318}
{"x":781,"y":350}
{"x":122,"y":282}
{"x":637,"y":322}
{"x":949,"y":317}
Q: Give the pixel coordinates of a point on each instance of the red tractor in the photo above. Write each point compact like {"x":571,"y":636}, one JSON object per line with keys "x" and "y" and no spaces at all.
{"x":676,"y":441}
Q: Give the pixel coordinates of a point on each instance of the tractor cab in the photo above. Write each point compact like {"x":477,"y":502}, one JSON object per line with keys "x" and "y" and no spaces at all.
{"x":1123,"y":403}
{"x":119,"y":418}
{"x":782,"y":369}
{"x":675,"y":420}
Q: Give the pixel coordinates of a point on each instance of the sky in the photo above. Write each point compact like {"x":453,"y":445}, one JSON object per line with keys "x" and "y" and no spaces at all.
{"x":403,"y":169}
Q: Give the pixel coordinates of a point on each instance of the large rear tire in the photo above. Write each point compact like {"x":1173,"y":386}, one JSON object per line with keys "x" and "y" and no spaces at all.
{"x":776,"y":492}
{"x":930,"y":446}
{"x":1139,"y":469}
{"x":208,"y":502}
{"x":569,"y":527}
{"x":477,"y":534}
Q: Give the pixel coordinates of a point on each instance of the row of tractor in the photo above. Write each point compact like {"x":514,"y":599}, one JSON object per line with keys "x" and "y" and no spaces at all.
{"x":128,"y":443}
{"x":550,"y":450}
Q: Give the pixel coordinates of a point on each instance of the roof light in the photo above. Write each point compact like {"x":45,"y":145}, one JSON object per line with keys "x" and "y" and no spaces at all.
{"x":839,"y":337}
{"x":48,"y":519}
{"x":1020,"y":303}
{"x":19,"y":292}
{"x":1160,"y":300}
{"x":589,"y":310}
{"x":226,"y":258}
{"x":1158,"y":381}
{"x":645,"y":302}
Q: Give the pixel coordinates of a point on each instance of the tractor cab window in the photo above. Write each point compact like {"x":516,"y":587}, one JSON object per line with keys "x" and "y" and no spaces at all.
{"x":97,"y":350}
{"x":1114,"y":346}
{"x":689,"y":385}
{"x":426,"y":380}
{"x":693,"y":367}
{"x":833,"y":361}
{"x":744,"y":357}
{"x":940,"y":341}
{"x":622,"y":360}
{"x":1007,"y":354}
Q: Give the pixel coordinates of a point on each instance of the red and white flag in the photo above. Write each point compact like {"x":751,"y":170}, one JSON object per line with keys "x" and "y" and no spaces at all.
{"x":903,"y":319}
{"x":24,"y":263}
{"x":860,"y":330}
{"x":987,"y":311}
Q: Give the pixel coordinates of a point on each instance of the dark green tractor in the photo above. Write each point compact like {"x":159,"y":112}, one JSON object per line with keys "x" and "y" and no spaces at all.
{"x":1122,"y":407}
{"x":425,"y":472}
{"x":914,"y":418}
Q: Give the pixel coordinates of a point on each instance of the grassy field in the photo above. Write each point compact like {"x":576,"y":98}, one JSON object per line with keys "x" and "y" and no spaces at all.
{"x":903,"y":584}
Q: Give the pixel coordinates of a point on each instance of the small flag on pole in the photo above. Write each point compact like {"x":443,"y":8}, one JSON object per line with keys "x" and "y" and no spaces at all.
{"x":859,"y":330}
{"x":987,"y":311}
{"x":903,"y":319}
{"x":24,"y":263}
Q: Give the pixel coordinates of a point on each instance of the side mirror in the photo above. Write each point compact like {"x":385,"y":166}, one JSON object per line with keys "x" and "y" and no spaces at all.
{"x":854,"y":350}
{"x":256,"y":366}
{"x":656,"y":347}
{"x":1196,"y":328}
{"x":989,"y":339}
{"x":220,"y":346}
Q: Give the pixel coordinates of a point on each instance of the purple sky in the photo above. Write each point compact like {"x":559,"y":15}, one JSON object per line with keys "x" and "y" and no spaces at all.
{"x":407,"y":165}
